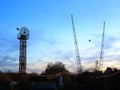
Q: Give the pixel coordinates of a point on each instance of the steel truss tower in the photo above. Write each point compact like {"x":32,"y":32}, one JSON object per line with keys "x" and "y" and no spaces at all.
{"x":102,"y":49}
{"x":79,"y":68}
{"x":23,"y":36}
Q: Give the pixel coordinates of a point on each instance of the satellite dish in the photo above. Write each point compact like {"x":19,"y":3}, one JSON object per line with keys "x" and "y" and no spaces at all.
{"x":17,"y":28}
{"x":23,"y":34}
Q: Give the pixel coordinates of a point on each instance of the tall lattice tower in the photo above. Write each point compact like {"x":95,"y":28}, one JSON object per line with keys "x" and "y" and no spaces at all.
{"x":23,"y":36}
{"x":102,"y":49}
{"x":79,"y":68}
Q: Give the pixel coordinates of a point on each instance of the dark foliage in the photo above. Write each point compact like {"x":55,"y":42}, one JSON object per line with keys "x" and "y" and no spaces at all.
{"x":109,"y":80}
{"x":53,"y":68}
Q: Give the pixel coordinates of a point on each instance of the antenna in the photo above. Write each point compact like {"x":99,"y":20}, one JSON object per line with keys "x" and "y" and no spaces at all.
{"x":23,"y":35}
{"x":79,"y":68}
{"x":102,"y":49}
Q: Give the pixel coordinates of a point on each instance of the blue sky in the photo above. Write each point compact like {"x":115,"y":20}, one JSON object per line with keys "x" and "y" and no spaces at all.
{"x":51,"y":35}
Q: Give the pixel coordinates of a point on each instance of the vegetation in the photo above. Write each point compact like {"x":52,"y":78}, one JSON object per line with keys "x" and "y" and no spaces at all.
{"x":53,"y":68}
{"x":97,"y":80}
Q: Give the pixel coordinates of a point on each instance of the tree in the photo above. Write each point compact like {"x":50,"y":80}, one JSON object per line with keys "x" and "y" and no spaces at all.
{"x":53,"y":68}
{"x":108,"y":70}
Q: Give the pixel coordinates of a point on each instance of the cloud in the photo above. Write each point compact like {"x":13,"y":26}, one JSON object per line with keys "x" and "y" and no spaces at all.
{"x":8,"y":48}
{"x":67,"y":56}
{"x":88,"y":56}
{"x":111,"y":53}
{"x":8,"y":63}
{"x":64,"y":55}
{"x":112,"y":63}
{"x":37,"y":66}
{"x":43,"y":37}
{"x":4,"y":42}
{"x":109,"y":41}
{"x":8,"y":45}
{"x":57,"y":56}
{"x":7,"y":60}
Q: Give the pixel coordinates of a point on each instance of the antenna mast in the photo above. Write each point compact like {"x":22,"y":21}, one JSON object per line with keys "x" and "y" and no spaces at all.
{"x":79,"y":68}
{"x":102,"y":49}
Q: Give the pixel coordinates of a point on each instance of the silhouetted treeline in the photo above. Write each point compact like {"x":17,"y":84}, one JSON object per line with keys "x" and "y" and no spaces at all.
{"x":97,"y":80}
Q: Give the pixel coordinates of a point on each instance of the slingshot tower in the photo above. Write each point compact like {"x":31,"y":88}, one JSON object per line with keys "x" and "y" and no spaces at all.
{"x":102,"y":49}
{"x":23,"y":36}
{"x":79,"y":68}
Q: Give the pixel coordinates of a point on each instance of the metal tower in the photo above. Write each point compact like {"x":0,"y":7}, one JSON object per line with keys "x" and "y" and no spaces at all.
{"x":102,"y":49}
{"x":79,"y":68}
{"x":23,"y":35}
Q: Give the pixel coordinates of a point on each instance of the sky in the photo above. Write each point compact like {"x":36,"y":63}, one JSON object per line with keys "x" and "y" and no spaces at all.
{"x":51,"y":35}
